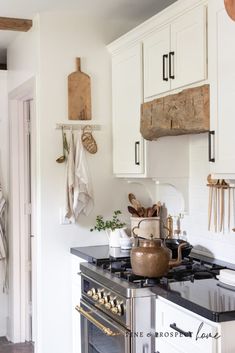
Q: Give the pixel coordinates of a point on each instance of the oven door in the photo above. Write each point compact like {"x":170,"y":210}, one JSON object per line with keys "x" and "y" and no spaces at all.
{"x":99,"y":333}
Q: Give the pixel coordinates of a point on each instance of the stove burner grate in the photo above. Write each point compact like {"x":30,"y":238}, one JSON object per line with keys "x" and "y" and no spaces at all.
{"x":189,"y":270}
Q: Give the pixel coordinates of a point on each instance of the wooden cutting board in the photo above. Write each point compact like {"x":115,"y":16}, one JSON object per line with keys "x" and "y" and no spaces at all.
{"x":79,"y":94}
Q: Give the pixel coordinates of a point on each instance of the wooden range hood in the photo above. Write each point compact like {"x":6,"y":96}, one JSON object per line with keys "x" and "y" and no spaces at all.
{"x":183,"y":113}
{"x":15,"y":24}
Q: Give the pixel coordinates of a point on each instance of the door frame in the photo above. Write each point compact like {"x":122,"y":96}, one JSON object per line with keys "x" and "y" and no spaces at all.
{"x":17,"y":327}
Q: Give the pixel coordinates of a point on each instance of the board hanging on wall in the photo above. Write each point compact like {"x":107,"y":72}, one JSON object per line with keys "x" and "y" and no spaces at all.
{"x":79,"y":94}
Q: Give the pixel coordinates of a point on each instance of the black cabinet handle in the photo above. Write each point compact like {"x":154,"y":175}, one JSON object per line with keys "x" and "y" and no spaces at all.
{"x":137,"y":145}
{"x":211,"y":133}
{"x":184,"y":333}
{"x":164,"y":66}
{"x":171,"y":57}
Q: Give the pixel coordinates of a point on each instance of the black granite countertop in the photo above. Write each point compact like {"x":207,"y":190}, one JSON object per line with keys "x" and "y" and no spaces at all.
{"x":205,"y":297}
{"x":97,"y":253}
{"x":208,"y":298}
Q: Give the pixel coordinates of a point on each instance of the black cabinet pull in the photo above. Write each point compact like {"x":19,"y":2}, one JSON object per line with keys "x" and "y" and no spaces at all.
{"x":211,"y":133}
{"x":184,"y":333}
{"x":164,"y":66}
{"x":137,"y":145}
{"x":171,"y":57}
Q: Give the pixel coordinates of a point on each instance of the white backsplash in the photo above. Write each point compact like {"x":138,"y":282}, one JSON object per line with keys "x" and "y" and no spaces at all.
{"x":195,"y":224}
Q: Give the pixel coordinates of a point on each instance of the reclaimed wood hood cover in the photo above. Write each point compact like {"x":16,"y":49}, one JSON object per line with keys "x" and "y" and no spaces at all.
{"x":183,"y":113}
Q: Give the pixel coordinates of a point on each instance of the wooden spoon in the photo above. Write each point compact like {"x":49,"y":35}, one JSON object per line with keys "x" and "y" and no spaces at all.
{"x":211,"y":184}
{"x":133,"y":211}
{"x":134,"y":202}
{"x":141,"y":212}
{"x":159,"y":206}
{"x":153,"y":210}
{"x":131,"y":197}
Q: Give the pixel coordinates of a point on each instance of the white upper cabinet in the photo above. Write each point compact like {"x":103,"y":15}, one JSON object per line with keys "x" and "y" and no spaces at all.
{"x":222,"y":77}
{"x":156,"y":62}
{"x":175,"y":56}
{"x":168,"y":51}
{"x":127,"y":94}
{"x":188,"y":48}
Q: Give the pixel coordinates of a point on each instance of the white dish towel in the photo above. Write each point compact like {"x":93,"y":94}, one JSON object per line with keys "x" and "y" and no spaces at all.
{"x":83,"y":194}
{"x":70,"y":181}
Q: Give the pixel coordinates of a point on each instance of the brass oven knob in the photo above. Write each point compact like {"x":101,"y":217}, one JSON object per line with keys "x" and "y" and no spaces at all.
{"x":91,"y":292}
{"x":114,"y":310}
{"x":108,"y":306}
{"x":95,"y":297}
{"x":101,"y":301}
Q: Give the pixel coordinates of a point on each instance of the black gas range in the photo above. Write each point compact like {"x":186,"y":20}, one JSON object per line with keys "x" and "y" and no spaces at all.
{"x":190,"y":269}
{"x":115,"y":302}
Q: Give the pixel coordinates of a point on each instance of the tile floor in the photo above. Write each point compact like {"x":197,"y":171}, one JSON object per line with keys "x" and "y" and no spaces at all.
{"x":7,"y":347}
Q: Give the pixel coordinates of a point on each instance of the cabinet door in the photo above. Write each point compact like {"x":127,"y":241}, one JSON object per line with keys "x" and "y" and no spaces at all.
{"x":221,"y":62}
{"x":187,"y":59}
{"x":173,"y":323}
{"x":162,"y":346}
{"x":156,"y":63}
{"x":127,"y":98}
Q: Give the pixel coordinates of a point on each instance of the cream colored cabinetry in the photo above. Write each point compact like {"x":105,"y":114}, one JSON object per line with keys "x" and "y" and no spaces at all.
{"x":179,"y":330}
{"x":156,"y":62}
{"x":166,"y":52}
{"x":132,"y":156}
{"x":222,"y":77}
{"x":175,"y":56}
{"x":127,"y":93}
{"x":171,"y":320}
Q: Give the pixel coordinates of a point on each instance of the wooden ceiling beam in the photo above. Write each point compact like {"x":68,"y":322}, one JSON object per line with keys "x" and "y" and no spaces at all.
{"x":15,"y":24}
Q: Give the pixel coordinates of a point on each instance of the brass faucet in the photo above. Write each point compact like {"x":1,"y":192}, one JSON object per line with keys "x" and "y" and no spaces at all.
{"x":169,"y":227}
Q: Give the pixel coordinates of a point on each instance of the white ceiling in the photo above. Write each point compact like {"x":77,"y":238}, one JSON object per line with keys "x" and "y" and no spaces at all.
{"x":135,"y":11}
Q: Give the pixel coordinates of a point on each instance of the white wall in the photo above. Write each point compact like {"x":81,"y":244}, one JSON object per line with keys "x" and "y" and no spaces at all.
{"x":49,"y":52}
{"x":64,"y":36}
{"x":23,"y":57}
{"x":4,"y":142}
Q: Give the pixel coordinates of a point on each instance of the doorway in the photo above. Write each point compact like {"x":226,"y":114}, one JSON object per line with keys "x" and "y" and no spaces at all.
{"x":22,"y":214}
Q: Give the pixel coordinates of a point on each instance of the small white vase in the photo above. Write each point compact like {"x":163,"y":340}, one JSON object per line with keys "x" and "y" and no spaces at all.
{"x":114,"y":238}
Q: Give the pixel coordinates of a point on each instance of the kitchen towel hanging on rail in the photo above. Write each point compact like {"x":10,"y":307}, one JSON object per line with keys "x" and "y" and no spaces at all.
{"x":79,"y":193}
{"x":83,"y":193}
{"x":70,"y":179}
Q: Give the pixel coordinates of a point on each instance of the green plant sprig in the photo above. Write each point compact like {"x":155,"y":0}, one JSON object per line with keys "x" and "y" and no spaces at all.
{"x":114,"y":223}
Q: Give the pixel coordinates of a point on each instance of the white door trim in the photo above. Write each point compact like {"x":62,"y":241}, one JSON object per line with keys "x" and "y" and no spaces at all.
{"x":17,"y":329}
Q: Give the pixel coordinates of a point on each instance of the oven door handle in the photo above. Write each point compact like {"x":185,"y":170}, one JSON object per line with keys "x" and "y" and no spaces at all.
{"x":95,"y":322}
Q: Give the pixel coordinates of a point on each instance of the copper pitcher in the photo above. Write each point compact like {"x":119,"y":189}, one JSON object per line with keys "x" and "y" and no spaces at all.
{"x":151,"y":258}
